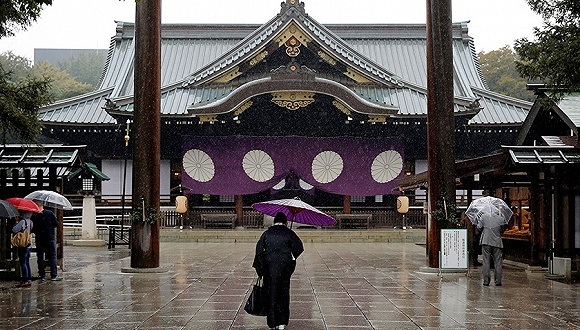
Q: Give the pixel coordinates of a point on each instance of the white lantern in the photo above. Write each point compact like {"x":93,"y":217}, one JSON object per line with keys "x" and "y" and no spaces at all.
{"x":181,"y":204}
{"x":403,"y":204}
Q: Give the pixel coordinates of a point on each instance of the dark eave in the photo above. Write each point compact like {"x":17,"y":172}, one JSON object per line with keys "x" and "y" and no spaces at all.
{"x":270,"y":85}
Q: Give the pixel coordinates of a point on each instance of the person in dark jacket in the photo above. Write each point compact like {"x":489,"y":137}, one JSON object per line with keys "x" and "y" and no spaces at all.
{"x":275,"y":261}
{"x":45,"y":224}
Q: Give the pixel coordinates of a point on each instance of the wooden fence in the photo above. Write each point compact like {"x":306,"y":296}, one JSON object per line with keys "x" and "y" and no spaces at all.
{"x":381,"y":218}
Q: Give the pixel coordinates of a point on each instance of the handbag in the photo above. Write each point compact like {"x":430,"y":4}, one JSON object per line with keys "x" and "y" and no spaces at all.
{"x":21,"y":239}
{"x":255,"y":303}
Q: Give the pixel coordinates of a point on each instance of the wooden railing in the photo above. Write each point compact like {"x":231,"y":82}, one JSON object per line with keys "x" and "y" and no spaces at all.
{"x":381,"y":218}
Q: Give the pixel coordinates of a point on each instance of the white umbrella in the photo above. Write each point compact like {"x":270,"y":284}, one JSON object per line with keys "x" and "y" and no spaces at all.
{"x":51,"y":199}
{"x":489,"y":212}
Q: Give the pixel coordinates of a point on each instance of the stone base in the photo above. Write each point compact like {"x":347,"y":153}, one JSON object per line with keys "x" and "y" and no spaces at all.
{"x":155,"y":270}
{"x":430,"y":270}
{"x":88,"y":242}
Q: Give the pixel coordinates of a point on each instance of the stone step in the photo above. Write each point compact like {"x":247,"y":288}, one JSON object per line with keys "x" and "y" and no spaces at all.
{"x":307,"y":236}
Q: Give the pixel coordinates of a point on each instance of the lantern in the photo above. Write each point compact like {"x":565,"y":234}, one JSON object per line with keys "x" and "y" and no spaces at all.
{"x":403,"y":204}
{"x":181,"y":204}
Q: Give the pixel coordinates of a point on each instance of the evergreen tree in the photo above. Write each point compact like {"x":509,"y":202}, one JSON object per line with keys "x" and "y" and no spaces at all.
{"x":553,"y":57}
{"x":19,"y":103}
{"x":20,"y":97}
{"x":17,"y":14}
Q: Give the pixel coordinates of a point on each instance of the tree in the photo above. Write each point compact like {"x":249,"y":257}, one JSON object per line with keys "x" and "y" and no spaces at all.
{"x":16,"y":14}
{"x":553,"y":57}
{"x":499,"y":70}
{"x":63,"y":85}
{"x":85,"y":68}
{"x":18,"y":66}
{"x":20,"y":100}
{"x":19,"y":103}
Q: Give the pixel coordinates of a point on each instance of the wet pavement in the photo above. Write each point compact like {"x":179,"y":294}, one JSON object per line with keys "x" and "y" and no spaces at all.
{"x":336,"y":286}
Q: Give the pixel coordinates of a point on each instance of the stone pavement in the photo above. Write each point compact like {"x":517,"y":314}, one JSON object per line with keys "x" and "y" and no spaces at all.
{"x":336,"y":286}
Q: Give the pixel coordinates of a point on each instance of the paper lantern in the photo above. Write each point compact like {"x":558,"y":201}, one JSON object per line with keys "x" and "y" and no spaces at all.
{"x":181,"y":204}
{"x":402,"y":204}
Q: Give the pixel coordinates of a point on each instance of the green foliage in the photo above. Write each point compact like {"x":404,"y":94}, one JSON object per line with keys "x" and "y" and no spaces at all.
{"x":19,"y":104}
{"x":150,"y":215}
{"x":446,"y":212}
{"x":499,"y":70}
{"x":63,"y":85}
{"x":18,"y":66}
{"x":554,"y":57}
{"x":19,"y":14}
{"x":85,"y":68}
{"x":205,"y":198}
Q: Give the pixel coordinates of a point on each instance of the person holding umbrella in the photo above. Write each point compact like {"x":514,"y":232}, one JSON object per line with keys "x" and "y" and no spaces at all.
{"x":490,"y":215}
{"x":275,"y":261}
{"x":24,"y":252}
{"x":45,"y":225}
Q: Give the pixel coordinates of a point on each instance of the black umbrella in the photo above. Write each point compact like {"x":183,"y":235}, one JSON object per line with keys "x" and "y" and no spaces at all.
{"x":7,"y":210}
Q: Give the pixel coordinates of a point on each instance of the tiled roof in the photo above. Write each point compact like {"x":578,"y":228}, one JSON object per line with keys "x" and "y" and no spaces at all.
{"x":192,"y":54}
{"x":570,"y":106}
{"x":57,"y":156}
{"x":86,"y":109}
{"x":499,"y":109}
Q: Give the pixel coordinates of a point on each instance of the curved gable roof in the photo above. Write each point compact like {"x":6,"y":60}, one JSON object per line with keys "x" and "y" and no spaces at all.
{"x":389,"y":59}
{"x":293,"y":21}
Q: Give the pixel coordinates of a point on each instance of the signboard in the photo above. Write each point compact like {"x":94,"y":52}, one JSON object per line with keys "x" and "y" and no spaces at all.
{"x":453,"y":249}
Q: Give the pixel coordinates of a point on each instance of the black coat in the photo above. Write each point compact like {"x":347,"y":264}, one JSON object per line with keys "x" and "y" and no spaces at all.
{"x":44,"y":225}
{"x":275,"y":260}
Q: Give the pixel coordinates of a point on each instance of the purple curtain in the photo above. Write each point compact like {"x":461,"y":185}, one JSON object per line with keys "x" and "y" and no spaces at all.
{"x":232,"y":165}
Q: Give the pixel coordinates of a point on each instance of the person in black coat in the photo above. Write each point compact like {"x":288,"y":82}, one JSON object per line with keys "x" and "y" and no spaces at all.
{"x":45,"y":224}
{"x":275,"y":261}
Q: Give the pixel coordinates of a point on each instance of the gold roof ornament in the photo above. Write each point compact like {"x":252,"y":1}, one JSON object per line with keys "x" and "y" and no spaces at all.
{"x":293,"y":100}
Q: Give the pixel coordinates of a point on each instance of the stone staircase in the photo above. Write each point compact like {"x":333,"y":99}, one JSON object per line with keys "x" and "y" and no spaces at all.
{"x":240,"y":235}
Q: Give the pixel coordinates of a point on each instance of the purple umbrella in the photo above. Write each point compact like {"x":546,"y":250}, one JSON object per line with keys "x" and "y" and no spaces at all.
{"x":296,"y":211}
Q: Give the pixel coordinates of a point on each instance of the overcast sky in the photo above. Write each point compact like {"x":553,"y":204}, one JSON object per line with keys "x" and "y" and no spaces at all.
{"x":91,"y":23}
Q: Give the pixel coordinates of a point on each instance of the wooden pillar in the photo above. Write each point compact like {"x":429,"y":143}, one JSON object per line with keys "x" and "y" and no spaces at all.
{"x":52,"y":178}
{"x":39,"y":179}
{"x":346,"y":205}
{"x":15,"y":190}
{"x":471,"y":243}
{"x":3,"y":177}
{"x":27,"y":180}
{"x":239,"y":209}
{"x":146,"y":117}
{"x":59,"y":230}
{"x":440,"y":116}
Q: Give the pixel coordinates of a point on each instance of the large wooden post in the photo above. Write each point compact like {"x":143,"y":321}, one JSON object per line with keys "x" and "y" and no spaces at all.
{"x":239,"y":201}
{"x":146,"y":147}
{"x":440,"y":119}
{"x":346,"y":205}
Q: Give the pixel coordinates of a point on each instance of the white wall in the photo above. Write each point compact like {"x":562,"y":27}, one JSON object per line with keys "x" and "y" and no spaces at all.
{"x":114,"y":168}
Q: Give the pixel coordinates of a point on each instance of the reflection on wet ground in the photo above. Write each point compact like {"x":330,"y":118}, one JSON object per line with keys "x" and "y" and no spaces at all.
{"x":336,"y":286}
